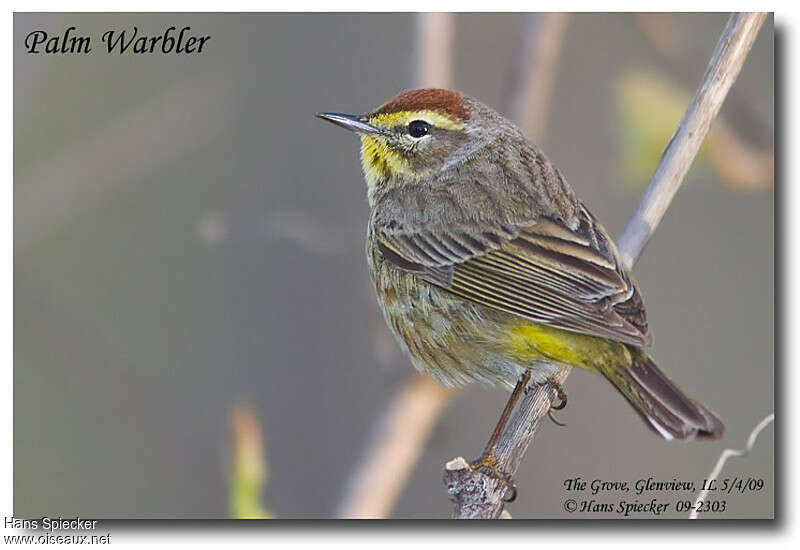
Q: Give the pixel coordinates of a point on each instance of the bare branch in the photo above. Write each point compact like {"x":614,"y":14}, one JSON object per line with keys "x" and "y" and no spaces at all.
{"x":397,"y":442}
{"x":722,"y":70}
{"x":474,"y":497}
{"x":728,"y":453}
{"x":478,"y":496}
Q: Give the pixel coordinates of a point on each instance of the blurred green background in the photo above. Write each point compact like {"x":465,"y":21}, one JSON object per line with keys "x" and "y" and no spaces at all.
{"x":188,"y":237}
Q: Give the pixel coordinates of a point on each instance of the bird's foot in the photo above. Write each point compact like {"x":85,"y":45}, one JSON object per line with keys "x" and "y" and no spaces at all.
{"x":561,"y":393}
{"x":488,"y":462}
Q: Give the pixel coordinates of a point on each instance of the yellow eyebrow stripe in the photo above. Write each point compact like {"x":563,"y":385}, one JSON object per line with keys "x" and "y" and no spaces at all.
{"x":401,"y":118}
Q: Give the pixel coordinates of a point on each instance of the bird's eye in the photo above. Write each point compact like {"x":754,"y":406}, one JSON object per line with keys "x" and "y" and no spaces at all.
{"x":418,"y":128}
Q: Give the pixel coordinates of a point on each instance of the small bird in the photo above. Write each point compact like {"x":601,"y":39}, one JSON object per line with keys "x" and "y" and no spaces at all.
{"x":488,"y":268}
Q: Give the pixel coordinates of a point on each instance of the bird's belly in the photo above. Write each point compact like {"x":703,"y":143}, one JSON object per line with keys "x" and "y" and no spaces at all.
{"x":454,"y":340}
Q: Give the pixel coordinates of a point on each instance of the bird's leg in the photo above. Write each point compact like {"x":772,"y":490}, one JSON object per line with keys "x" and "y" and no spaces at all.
{"x":488,"y":458}
{"x":561,"y":393}
{"x":494,"y":439}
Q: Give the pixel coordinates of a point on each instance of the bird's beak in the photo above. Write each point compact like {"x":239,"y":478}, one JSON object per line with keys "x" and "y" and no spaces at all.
{"x":355,"y":123}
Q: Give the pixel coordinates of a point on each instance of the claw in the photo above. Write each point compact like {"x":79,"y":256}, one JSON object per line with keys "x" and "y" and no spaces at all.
{"x":561,"y":393}
{"x":488,"y":461}
{"x":553,"y":418}
{"x":511,"y":493}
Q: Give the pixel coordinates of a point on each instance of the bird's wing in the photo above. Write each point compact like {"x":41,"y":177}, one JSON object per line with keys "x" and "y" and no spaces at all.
{"x":568,"y":278}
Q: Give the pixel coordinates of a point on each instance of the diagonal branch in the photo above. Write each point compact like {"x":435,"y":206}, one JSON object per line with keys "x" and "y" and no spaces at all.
{"x":722,"y":70}
{"x":476,"y":495}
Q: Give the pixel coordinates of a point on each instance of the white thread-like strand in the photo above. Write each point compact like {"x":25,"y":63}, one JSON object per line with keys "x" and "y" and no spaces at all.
{"x":726,"y":454}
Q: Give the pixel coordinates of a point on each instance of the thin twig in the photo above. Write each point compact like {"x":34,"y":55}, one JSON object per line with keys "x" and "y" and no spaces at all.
{"x":743,"y":162}
{"x":725,"y":455}
{"x":474,"y":494}
{"x":669,"y":39}
{"x":729,"y":55}
{"x":394,"y":449}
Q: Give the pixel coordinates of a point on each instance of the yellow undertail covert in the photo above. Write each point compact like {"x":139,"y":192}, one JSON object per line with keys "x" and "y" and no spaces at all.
{"x":534,"y":342}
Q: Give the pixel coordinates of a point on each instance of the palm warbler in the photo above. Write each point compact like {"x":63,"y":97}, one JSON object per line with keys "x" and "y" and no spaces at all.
{"x":487,"y":266}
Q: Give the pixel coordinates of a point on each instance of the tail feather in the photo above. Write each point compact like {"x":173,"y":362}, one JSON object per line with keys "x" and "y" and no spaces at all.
{"x":662,"y":405}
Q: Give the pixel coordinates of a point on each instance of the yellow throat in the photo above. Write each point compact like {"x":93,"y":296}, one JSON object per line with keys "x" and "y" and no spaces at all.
{"x":380,"y":161}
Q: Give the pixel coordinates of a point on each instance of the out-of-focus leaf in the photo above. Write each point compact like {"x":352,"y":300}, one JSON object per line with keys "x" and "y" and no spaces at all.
{"x":649,"y":109}
{"x":250,"y":469}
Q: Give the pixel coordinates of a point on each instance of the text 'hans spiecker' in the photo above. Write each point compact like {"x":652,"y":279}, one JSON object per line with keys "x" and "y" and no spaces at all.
{"x":120,"y":41}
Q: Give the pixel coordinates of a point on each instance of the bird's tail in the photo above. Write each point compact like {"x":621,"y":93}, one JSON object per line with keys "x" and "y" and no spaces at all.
{"x":662,"y":405}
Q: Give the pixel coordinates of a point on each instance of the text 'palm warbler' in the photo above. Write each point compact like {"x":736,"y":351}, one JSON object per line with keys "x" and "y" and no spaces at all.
{"x":488,"y":268}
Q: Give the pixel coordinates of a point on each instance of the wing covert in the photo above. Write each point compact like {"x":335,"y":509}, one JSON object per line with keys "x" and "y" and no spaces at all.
{"x":547,"y":272}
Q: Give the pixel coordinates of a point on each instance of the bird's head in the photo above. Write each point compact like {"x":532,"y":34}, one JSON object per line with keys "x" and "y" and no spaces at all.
{"x":416,"y":134}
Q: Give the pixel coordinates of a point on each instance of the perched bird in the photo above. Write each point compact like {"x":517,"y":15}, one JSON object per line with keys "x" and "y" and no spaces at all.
{"x":488,"y":268}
